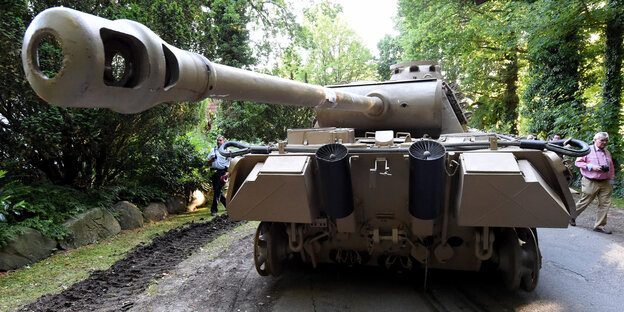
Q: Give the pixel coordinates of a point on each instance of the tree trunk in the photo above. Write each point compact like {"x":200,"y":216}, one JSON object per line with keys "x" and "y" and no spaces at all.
{"x":510,"y":98}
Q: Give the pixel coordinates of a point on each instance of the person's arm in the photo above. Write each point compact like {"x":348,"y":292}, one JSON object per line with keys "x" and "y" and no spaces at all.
{"x":212,"y":156}
{"x":227,"y":171}
{"x":611,"y":168}
{"x":582,"y":163}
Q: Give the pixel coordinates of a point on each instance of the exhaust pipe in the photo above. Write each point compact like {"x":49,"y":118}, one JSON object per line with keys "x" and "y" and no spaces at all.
{"x":426,"y":179}
{"x":335,"y":177}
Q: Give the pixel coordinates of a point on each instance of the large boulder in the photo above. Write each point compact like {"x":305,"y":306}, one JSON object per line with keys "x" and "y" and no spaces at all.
{"x":31,"y":246}
{"x":128,"y":215}
{"x":90,"y":227}
{"x":155,"y":212}
{"x":197,"y":200}
{"x":175,"y":205}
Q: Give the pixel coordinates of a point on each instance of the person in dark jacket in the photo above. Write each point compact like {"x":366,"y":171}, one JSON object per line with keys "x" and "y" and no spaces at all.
{"x":220,"y":164}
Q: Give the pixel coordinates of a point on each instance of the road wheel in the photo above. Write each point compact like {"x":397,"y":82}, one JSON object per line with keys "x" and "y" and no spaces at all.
{"x":509,"y":251}
{"x":270,"y":248}
{"x":261,"y":242}
{"x":531,"y":258}
{"x":519,"y":258}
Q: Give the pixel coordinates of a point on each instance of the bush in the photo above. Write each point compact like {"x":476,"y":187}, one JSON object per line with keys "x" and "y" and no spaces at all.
{"x":178,"y":168}
{"x":137,"y":194}
{"x":175,"y":168}
{"x":6,"y":207}
{"x":43,"y":207}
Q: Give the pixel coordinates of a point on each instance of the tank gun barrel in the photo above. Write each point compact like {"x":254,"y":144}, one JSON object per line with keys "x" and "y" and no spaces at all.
{"x":124,"y":66}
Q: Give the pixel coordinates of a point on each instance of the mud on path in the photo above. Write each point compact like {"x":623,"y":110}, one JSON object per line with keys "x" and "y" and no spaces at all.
{"x":115,"y":289}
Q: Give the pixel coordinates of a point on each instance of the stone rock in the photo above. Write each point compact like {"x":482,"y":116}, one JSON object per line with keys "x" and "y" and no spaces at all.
{"x":198,"y":199}
{"x":175,"y":205}
{"x":128,"y":215}
{"x":155,"y":212}
{"x":90,"y":227}
{"x":29,"y":247}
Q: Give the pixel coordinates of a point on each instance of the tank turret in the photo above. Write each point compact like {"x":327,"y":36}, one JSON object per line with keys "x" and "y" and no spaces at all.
{"x":389,"y":177}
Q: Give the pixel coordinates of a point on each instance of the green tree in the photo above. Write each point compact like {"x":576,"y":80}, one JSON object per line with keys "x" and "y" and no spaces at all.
{"x":479,"y":48}
{"x":255,"y":122}
{"x":337,"y":54}
{"x":611,"y":117}
{"x":333,"y":54}
{"x":273,"y":29}
{"x":553,"y":96}
{"x":390,"y":53}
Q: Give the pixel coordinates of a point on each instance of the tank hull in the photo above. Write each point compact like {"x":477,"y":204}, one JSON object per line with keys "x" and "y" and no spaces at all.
{"x":486,"y":195}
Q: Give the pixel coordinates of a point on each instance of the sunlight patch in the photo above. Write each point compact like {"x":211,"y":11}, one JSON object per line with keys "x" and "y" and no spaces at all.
{"x":615,"y":256}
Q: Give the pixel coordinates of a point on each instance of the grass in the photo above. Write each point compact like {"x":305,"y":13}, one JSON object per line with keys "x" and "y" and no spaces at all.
{"x":617,"y":202}
{"x":64,"y":268}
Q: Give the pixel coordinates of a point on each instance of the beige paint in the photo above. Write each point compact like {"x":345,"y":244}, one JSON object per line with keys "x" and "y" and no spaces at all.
{"x":279,"y":189}
{"x":497,"y":190}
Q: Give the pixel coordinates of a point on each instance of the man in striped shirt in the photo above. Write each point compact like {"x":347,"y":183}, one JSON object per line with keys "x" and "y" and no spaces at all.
{"x":598,"y":176}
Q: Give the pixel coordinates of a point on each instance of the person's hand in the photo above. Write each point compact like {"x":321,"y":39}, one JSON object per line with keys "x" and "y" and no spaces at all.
{"x":226,"y":175}
{"x":591,"y":167}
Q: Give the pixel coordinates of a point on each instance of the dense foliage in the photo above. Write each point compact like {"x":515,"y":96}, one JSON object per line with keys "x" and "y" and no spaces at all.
{"x":335,"y":53}
{"x":527,"y":67}
{"x":478,"y":47}
{"x":611,"y":105}
{"x":390,"y":53}
{"x":553,"y":93}
{"x":541,"y":59}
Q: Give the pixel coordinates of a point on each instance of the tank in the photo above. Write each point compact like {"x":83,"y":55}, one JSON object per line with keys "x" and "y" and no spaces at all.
{"x":391,"y":176}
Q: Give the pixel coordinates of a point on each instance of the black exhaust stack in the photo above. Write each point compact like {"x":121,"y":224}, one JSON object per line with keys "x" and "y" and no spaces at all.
{"x":335,"y":177}
{"x":426,"y":179}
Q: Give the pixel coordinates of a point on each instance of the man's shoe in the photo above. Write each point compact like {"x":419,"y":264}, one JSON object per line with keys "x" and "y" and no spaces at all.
{"x":601,"y":230}
{"x":573,"y":222}
{"x":213,"y":214}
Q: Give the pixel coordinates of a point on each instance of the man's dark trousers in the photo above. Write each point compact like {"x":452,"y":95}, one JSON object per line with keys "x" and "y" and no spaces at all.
{"x":217,"y":185}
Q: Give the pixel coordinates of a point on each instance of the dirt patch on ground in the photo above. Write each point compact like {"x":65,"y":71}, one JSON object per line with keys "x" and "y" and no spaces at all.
{"x":219,"y":277}
{"x":115,"y":288}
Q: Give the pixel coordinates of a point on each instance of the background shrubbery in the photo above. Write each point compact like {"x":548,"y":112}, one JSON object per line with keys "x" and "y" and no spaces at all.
{"x":42,"y":206}
{"x":45,"y":206}
{"x":178,"y":169}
